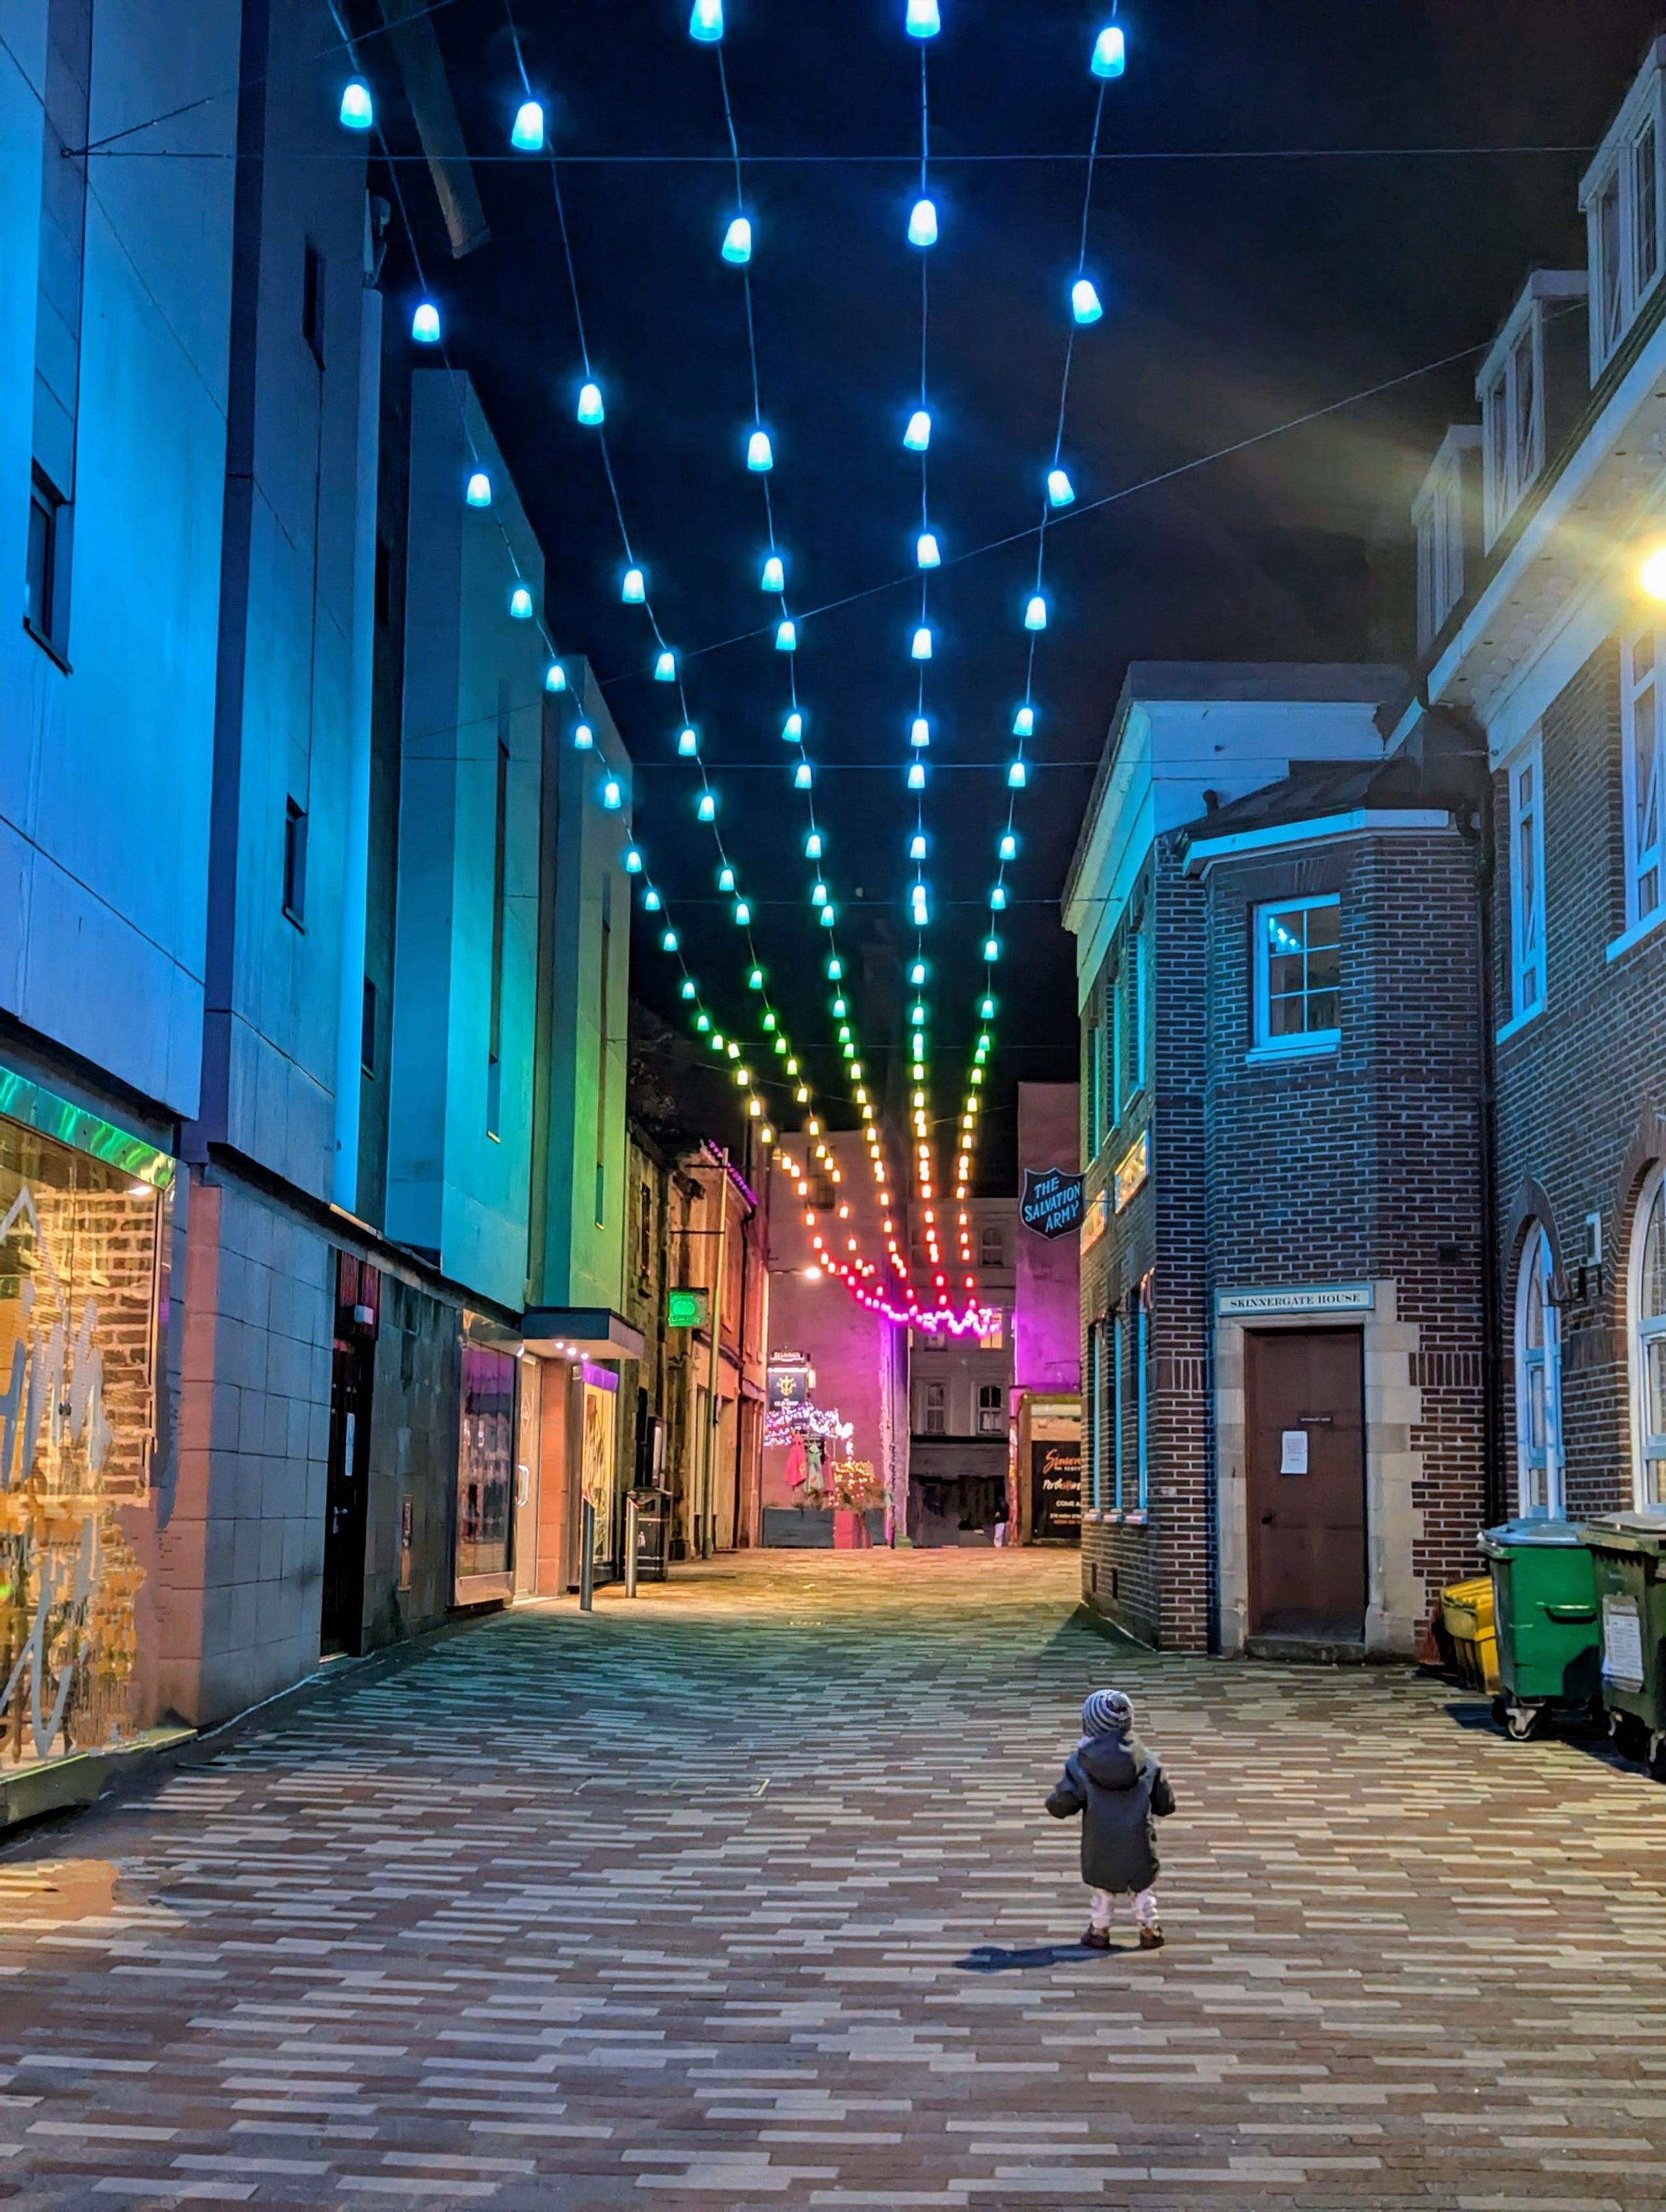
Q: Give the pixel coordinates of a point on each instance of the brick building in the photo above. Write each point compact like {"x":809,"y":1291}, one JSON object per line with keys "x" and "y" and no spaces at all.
{"x":1542,"y":642}
{"x":1283,"y":1265}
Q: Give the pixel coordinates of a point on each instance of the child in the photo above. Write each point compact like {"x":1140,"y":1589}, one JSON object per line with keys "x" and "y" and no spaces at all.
{"x":1121,"y":1792}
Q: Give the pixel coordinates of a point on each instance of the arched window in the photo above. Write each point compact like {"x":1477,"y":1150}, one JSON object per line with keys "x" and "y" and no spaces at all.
{"x":1538,"y":1380}
{"x":1648,"y":1309}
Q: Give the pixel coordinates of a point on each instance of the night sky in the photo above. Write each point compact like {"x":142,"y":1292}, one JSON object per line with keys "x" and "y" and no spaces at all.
{"x":1239,"y":293}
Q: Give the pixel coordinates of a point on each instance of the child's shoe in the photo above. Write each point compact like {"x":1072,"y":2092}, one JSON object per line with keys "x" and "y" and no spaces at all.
{"x":1097,"y":1939}
{"x":1151,"y":1939}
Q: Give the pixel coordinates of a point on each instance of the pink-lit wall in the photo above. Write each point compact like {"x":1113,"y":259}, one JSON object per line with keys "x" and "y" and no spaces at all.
{"x":1047,"y":1327}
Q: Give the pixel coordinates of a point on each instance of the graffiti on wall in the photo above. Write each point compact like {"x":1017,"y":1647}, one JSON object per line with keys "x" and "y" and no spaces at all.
{"x":78,"y":1255}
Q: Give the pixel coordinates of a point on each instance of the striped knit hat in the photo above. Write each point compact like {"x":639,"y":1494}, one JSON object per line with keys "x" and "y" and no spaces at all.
{"x":1107,"y":1712}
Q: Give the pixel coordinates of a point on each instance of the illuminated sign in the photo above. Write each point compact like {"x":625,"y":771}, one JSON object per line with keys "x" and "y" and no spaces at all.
{"x":1133,"y":1169}
{"x":687,"y":1308}
{"x":1052,"y":1203}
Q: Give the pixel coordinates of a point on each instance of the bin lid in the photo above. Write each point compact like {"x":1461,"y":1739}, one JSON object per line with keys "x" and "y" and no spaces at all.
{"x":1638,"y":1531}
{"x":1530,"y":1528}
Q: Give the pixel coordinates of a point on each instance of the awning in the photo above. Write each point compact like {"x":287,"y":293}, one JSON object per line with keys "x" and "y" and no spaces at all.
{"x":597,"y":1332}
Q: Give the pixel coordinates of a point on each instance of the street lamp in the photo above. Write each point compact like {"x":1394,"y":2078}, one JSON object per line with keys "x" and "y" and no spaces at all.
{"x":1651,"y":572}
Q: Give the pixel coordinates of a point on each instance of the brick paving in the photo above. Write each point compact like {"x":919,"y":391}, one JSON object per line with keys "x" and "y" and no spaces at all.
{"x":742,"y":1896}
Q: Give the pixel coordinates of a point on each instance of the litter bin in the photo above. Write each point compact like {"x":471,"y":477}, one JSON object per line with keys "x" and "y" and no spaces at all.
{"x":1467,"y":1610}
{"x":1628,"y":1553}
{"x":653,"y":1518}
{"x":1544,"y":1604}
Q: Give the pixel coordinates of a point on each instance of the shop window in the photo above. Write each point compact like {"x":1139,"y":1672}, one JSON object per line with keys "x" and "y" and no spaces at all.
{"x":1538,"y":1380}
{"x":1527,"y":872}
{"x":991,"y":1411}
{"x":1643,"y":775}
{"x":1648,"y":1309}
{"x":1297,"y":984}
{"x":484,"y":1467}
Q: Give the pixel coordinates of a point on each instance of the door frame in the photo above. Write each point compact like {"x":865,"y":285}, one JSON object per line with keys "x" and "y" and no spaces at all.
{"x":1254,"y":1560}
{"x":1394,"y":1604}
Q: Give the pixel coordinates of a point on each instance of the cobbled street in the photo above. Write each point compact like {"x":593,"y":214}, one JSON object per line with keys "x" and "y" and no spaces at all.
{"x":743,"y":1894}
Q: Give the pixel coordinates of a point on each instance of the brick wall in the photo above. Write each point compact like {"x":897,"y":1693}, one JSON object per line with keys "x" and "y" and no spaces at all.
{"x":1581,"y":1088}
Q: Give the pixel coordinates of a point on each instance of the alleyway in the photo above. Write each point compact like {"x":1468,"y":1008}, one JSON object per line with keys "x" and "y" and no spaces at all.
{"x":743,"y":1896}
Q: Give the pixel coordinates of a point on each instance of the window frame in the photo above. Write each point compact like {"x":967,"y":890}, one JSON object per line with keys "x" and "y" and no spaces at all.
{"x":1537,"y":1259}
{"x":1096,"y":1465}
{"x":1640,"y":1335}
{"x":1298,"y":1044}
{"x":997,"y":1427}
{"x":1119,"y":1354}
{"x":1142,"y":1344}
{"x":46,"y":500}
{"x":1096,"y":1079}
{"x":1642,"y":862}
{"x":1439,"y":517}
{"x":933,"y":1405}
{"x":1527,"y":952}
{"x":1138,"y":988}
{"x":1510,"y":472}
{"x":987,"y":1231}
{"x":292,"y":886}
{"x":1616,"y":180}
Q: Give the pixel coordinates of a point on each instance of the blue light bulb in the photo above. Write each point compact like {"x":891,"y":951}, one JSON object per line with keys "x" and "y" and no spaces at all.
{"x":1023,"y":722}
{"x":921,"y":647}
{"x":652,"y":900}
{"x":520,"y":603}
{"x":917,"y":775}
{"x":725,"y":878}
{"x":688,"y":991}
{"x":786,"y":637}
{"x":357,"y":112}
{"x":1035,"y":615}
{"x":921,"y":19}
{"x":835,"y":970}
{"x":813,"y":846}
{"x":665,"y":668}
{"x":687,"y":744}
{"x":773,"y":578}
{"x":706,"y":22}
{"x":668,"y":941}
{"x":920,"y":732}
{"x":737,"y":242}
{"x":802,"y":777}
{"x":922,"y":223}
{"x":991,"y":948}
{"x":590,"y":403}
{"x":633,"y":587}
{"x":425,"y":324}
{"x":1110,"y":52}
{"x":526,"y":133}
{"x":916,"y":847}
{"x":706,"y":809}
{"x":612,"y":796}
{"x":792,"y":730}
{"x":554,"y":677}
{"x":918,"y":435}
{"x":926,"y":553}
{"x":760,"y":454}
{"x":633,"y":861}
{"x":1084,"y":302}
{"x":1060,"y":489}
{"x":743,"y":913}
{"x":829,"y":917}
{"x":1016,"y":777}
{"x":584,"y":737}
{"x":917,"y":974}
{"x":1008,"y":848}
{"x":997,"y":898}
{"x":818,"y":896}
{"x":479,"y":491}
{"x":987,"y":1010}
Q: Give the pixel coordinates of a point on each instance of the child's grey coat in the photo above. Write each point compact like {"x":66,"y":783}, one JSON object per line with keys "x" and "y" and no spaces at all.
{"x":1121,"y":1792}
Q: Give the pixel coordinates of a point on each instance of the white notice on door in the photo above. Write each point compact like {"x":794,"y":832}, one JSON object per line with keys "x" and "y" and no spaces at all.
{"x":1623,"y":1641}
{"x":1292,"y":1456}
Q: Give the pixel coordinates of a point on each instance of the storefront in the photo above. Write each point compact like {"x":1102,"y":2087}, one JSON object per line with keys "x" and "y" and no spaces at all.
{"x":84,"y":1213}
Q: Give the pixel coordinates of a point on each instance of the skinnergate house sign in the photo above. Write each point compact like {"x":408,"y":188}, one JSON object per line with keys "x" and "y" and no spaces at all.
{"x":1308,"y":1298}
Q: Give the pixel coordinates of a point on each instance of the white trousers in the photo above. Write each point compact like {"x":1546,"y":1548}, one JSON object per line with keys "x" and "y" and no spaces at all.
{"x":1100,"y":1902}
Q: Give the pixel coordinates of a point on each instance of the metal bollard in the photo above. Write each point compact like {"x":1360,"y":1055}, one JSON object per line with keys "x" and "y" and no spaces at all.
{"x":632,"y":1519}
{"x":587,"y":1558}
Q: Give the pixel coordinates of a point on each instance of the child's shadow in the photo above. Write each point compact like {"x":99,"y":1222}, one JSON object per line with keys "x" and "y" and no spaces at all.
{"x":991,"y":1958}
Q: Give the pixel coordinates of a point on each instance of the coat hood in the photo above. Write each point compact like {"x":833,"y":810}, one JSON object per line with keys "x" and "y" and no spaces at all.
{"x":1112,"y":1762}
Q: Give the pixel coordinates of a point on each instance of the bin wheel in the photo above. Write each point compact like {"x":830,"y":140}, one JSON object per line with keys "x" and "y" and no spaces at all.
{"x":1500,"y":1712}
{"x":1523,"y":1721}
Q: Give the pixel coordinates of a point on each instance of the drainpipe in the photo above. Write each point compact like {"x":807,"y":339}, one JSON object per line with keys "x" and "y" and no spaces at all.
{"x":350,"y":991}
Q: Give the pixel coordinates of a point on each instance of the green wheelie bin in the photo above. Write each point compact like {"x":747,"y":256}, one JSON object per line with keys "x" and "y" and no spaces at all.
{"x":1628,"y":1553}
{"x":1544,"y":1604}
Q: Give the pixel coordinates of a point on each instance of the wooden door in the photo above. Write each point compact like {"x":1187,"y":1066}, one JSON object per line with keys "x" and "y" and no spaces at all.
{"x":1306,"y":1483}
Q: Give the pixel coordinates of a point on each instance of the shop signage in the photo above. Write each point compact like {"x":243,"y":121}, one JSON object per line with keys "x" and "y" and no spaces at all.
{"x":687,"y":1308}
{"x":1095,"y":1220}
{"x":1056,"y":1491}
{"x":1314,"y":1298}
{"x":1052,"y":1202}
{"x":790,"y":1381}
{"x":1133,"y":1169}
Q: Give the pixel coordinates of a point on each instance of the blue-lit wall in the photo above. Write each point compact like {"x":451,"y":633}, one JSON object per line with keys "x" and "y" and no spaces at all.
{"x":105,"y":763}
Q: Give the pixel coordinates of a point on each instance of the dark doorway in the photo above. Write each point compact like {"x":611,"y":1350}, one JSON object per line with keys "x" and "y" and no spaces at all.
{"x":1306,"y":1390}
{"x":346,"y":1517}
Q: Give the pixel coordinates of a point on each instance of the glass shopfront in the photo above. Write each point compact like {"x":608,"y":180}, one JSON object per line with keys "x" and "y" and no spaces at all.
{"x":82,"y":1243}
{"x":485,"y":1475}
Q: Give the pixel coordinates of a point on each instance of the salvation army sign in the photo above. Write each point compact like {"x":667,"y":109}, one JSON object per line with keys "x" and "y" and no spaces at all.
{"x":1052,"y":1202}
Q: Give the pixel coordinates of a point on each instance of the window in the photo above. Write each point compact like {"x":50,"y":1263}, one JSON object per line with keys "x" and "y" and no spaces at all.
{"x":1538,"y":1380}
{"x":1299,"y":957}
{"x":995,"y":1335}
{"x":1648,"y":1308}
{"x":644,"y":1231}
{"x":931,"y":1405}
{"x":1118,"y":1046}
{"x":1142,"y":1342}
{"x":1643,"y":775}
{"x":367,"y":1027}
{"x":1440,"y":514}
{"x":1118,"y":1355}
{"x":46,"y":574}
{"x":311,"y":301}
{"x":1527,"y":868}
{"x":1137,"y":1013}
{"x":1511,"y":404}
{"x":991,"y":1246}
{"x":1620,"y":197}
{"x":295,"y":862}
{"x":1094,"y":1089}
{"x":991,"y":1412}
{"x":1096,"y":1429}
{"x":500,"y":888}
